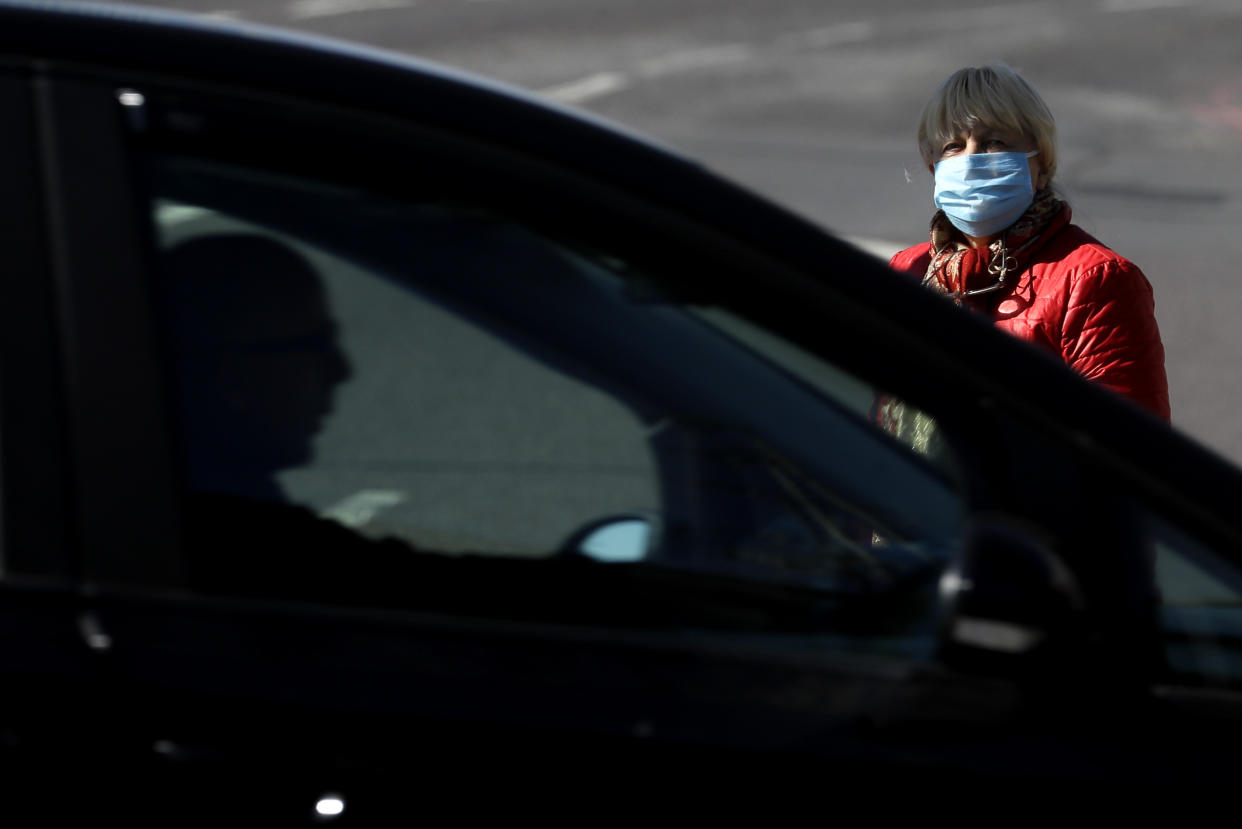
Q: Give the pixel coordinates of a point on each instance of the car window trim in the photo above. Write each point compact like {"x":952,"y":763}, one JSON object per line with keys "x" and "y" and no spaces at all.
{"x":34,"y":510}
{"x":120,"y":452}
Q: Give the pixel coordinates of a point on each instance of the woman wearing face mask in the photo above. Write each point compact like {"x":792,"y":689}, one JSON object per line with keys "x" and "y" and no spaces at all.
{"x":1002,"y":242}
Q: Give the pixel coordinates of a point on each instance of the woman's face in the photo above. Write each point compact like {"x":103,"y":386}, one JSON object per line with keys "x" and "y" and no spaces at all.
{"x":993,"y":140}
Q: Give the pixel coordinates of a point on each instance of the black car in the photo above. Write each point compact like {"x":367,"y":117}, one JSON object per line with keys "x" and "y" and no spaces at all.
{"x":376,"y":438}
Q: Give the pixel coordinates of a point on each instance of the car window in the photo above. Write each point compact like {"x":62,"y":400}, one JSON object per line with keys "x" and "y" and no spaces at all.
{"x":416,"y":422}
{"x":443,"y":379}
{"x":1200,"y":607}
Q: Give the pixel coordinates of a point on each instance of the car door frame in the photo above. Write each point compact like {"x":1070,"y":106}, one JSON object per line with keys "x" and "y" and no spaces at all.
{"x":48,"y":659}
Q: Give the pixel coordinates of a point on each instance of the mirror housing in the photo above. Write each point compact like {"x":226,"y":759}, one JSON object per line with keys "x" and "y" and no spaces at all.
{"x":1011,"y":606}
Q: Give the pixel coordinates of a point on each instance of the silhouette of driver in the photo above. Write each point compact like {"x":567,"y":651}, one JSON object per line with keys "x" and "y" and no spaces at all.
{"x":258,"y":360}
{"x":257,"y":364}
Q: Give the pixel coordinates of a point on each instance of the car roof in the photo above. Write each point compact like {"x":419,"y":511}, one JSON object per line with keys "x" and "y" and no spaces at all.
{"x":271,"y":57}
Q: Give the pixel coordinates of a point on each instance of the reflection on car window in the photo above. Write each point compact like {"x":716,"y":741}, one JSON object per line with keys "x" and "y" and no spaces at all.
{"x":431,"y":378}
{"x":902,"y":420}
{"x":423,"y":426}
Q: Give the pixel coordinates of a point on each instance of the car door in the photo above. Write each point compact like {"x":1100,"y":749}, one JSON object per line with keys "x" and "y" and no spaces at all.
{"x":46,"y":635}
{"x":353,"y":397}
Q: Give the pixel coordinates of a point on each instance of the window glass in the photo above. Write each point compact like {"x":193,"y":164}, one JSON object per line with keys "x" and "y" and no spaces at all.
{"x":420,"y":424}
{"x":436,"y":378}
{"x":903,"y":421}
{"x":1200,"y":608}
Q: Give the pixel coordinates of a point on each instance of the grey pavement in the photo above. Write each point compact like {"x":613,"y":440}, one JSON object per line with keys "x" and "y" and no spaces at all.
{"x":813,"y":103}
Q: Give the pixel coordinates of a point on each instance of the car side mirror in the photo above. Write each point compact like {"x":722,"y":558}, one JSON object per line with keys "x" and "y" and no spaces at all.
{"x":615,"y":540}
{"x":1012,"y":607}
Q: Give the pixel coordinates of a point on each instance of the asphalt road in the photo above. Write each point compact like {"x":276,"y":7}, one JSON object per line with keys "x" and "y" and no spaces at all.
{"x":814,"y":102}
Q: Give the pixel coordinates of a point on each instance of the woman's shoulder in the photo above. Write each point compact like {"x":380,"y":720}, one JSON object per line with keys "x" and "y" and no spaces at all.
{"x":1076,"y":250}
{"x":1085,"y":270}
{"x":913,"y":259}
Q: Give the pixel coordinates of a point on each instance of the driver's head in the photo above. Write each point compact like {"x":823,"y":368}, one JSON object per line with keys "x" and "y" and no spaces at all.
{"x":257,"y":353}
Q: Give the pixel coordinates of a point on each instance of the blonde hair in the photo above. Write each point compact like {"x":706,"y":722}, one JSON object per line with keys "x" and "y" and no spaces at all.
{"x":992,"y":95}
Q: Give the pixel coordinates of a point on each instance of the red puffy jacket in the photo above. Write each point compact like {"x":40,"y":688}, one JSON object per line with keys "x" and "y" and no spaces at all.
{"x":1086,"y":304}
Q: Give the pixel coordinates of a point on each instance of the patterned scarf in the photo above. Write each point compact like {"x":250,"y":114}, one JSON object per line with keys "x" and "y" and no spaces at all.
{"x":959,"y":270}
{"x":956,"y":269}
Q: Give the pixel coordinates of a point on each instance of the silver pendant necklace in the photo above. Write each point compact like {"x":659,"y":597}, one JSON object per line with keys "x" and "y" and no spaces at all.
{"x":1001,"y":266}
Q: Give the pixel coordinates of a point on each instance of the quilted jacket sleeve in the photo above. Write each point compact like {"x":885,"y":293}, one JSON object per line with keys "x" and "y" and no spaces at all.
{"x":1110,"y":336}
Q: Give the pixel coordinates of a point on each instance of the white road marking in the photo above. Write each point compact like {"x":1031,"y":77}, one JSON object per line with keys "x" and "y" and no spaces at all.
{"x":588,"y":88}
{"x":599,"y":84}
{"x":1143,"y":5}
{"x":838,"y":35}
{"x":688,"y":60}
{"x":308,"y":9}
{"x":168,"y":214}
{"x":1008,"y":13}
{"x":359,"y":508}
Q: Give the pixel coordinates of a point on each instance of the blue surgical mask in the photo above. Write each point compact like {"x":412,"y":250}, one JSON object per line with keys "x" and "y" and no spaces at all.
{"x":984,"y":193}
